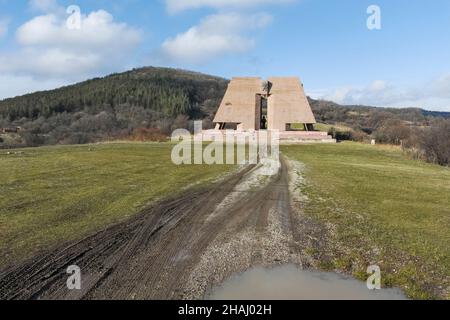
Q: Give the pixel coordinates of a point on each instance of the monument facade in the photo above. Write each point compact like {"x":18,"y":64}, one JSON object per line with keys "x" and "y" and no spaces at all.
{"x":254,"y":104}
{"x":251,"y":104}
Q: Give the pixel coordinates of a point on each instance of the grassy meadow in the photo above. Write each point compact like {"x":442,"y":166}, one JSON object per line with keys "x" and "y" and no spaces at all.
{"x":380,"y":208}
{"x":377,"y":206}
{"x":50,"y":195}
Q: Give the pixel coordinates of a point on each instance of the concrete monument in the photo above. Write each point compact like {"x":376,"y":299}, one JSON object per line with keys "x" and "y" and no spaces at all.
{"x":251,"y":104}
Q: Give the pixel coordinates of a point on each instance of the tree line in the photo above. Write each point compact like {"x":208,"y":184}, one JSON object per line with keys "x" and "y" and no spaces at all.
{"x":422,"y":134}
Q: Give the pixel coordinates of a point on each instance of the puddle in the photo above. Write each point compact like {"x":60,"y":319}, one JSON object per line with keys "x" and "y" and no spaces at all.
{"x":291,"y":283}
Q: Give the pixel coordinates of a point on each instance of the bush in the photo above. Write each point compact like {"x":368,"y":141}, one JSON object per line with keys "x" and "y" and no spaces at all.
{"x":143,"y":134}
{"x":338,"y":135}
{"x":359,"y":136}
{"x":32,"y":140}
{"x":345,"y":135}
{"x":393,"y":131}
{"x":435,"y":143}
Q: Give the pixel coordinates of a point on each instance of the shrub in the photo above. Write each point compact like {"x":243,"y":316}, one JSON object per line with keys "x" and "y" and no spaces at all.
{"x":435,"y":143}
{"x":359,"y":136}
{"x":345,"y":135}
{"x":393,"y":132}
{"x":143,"y":134}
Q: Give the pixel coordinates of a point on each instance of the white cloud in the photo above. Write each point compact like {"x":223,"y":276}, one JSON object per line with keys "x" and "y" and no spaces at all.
{"x":215,"y":35}
{"x":50,"y":49}
{"x":227,"y":32}
{"x":441,"y":86}
{"x":97,"y":31}
{"x":434,"y":95}
{"x":49,"y":54}
{"x":176,"y":6}
{"x":378,"y":93}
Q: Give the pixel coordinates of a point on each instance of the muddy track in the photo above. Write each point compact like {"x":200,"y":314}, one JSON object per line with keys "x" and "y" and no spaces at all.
{"x":177,"y":249}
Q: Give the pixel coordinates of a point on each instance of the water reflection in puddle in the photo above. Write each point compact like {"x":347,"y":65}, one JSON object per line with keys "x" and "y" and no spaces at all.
{"x":291,"y":283}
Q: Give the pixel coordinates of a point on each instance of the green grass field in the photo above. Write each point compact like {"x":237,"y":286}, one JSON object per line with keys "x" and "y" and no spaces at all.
{"x":381,"y":208}
{"x":56,"y":194}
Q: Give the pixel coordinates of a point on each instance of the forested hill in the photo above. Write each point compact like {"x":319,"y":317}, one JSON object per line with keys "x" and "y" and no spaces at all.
{"x":170,"y":92}
{"x":114,"y":107}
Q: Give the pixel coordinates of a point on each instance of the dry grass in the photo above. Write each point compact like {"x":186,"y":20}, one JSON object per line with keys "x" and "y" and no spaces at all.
{"x":56,"y":194}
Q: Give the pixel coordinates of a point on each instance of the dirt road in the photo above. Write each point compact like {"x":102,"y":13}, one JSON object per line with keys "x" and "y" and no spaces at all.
{"x":177,"y":249}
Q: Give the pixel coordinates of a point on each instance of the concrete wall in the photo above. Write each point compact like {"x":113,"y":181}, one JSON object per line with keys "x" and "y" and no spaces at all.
{"x":288,"y":104}
{"x":239,"y":103}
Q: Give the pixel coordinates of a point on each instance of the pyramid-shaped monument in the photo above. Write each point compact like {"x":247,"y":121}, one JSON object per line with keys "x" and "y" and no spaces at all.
{"x":253,"y":104}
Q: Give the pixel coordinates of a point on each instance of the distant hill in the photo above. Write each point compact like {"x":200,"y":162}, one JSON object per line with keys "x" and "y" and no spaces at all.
{"x":113,"y":106}
{"x":152,"y":98}
{"x":368,"y":118}
{"x":169,"y":91}
{"x":436,"y":114}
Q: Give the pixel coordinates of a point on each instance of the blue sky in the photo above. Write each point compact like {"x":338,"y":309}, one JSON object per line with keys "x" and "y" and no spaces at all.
{"x":325,"y":42}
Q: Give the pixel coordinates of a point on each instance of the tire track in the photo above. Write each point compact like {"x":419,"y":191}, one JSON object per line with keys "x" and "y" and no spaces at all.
{"x":155,"y":254}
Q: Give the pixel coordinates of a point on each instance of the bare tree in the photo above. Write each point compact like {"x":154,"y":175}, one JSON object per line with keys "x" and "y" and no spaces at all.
{"x":435,"y":142}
